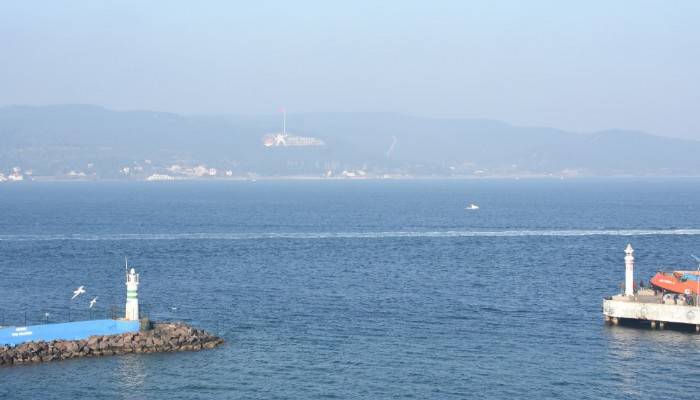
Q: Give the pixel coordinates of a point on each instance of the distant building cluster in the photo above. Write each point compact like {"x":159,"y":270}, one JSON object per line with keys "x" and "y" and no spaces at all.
{"x":174,"y":172}
{"x":76,"y":174}
{"x":160,"y":177}
{"x":19,"y":174}
{"x":280,"y":165}
{"x":352,"y":174}
{"x":16,"y":174}
{"x":198,"y":171}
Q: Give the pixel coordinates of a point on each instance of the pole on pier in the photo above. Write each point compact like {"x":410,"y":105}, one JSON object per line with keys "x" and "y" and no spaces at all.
{"x":629,"y":271}
{"x":697,"y":292}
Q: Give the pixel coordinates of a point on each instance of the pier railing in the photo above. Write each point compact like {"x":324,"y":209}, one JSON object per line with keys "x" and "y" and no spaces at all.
{"x":48,"y":315}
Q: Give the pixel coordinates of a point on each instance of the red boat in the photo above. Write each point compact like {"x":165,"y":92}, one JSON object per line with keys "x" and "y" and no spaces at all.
{"x":685,"y":282}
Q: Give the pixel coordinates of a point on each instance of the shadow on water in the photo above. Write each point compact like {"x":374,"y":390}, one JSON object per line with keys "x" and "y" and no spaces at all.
{"x":627,"y":324}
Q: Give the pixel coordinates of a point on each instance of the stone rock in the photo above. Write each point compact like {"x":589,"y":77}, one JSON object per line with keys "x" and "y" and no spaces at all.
{"x":164,"y":337}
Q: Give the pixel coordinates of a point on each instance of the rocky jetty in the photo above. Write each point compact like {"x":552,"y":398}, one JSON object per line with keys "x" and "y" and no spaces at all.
{"x":163,"y":337}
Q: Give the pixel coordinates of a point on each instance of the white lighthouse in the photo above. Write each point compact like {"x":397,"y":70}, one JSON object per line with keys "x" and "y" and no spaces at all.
{"x":629,"y":271}
{"x":132,"y":297}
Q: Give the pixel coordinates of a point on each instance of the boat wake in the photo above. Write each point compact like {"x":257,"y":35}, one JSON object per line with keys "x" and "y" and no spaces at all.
{"x":351,"y":235}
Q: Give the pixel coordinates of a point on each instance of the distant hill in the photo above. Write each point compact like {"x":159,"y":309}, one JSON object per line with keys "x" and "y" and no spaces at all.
{"x":54,"y":139}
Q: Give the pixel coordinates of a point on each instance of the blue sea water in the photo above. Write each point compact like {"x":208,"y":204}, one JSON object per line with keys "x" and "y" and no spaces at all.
{"x":357,"y":289}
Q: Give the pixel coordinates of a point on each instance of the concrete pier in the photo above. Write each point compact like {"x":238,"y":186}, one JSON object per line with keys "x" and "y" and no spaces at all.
{"x":649,"y":305}
{"x":645,"y":306}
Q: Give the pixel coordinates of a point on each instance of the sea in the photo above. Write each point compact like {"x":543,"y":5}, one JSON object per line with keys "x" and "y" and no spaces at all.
{"x":362,"y":289}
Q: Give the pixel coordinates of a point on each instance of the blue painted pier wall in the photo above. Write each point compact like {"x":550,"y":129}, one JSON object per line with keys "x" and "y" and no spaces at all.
{"x":13,"y":335}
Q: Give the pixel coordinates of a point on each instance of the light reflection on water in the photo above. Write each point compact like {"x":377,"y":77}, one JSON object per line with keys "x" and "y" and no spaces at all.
{"x":131,"y":371}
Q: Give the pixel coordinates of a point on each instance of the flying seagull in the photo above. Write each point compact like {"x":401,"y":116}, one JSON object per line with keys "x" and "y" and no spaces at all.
{"x":77,"y":292}
{"x":92,"y":302}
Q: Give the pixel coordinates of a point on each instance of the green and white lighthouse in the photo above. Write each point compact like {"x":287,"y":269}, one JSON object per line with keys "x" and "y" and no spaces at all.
{"x":132,"y":297}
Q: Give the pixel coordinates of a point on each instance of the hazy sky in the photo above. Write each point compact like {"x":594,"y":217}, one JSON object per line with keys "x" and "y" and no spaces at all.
{"x":584,"y":66}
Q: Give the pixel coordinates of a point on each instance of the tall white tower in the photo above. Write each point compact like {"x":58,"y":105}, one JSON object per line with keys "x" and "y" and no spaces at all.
{"x":629,"y":271}
{"x":132,"y":297}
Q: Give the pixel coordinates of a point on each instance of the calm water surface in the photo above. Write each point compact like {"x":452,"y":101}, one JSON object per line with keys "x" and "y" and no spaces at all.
{"x":357,"y":289}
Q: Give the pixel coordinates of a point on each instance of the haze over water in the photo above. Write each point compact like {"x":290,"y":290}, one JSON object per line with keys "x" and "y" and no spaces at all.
{"x":358,"y":289}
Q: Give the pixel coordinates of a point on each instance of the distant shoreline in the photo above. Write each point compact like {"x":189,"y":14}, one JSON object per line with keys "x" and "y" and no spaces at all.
{"x":346,"y":179}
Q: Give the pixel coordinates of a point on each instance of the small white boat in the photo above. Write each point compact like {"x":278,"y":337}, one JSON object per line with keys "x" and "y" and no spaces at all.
{"x":472,"y":206}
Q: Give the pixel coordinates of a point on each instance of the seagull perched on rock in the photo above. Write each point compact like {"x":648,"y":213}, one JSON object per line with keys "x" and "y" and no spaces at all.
{"x":77,"y":292}
{"x":92,"y":302}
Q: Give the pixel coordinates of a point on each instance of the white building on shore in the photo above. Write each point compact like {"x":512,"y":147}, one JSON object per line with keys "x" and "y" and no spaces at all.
{"x":160,"y":177}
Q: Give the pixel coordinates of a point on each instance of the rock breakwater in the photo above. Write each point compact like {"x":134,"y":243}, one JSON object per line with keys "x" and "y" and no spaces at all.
{"x":163,"y":337}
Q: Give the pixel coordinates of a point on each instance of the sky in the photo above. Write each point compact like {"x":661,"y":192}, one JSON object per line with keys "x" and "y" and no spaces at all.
{"x":581,"y":66}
